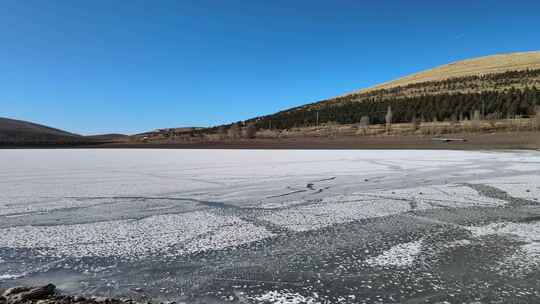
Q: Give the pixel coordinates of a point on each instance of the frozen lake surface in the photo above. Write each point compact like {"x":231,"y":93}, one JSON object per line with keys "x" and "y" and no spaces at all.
{"x":254,"y":226}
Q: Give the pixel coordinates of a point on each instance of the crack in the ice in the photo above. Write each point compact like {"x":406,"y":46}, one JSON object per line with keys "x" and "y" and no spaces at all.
{"x":286,"y":194}
{"x":214,"y":204}
{"x":323,"y":180}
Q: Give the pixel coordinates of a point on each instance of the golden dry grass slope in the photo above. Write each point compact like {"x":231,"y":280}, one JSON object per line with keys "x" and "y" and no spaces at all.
{"x":470,"y":67}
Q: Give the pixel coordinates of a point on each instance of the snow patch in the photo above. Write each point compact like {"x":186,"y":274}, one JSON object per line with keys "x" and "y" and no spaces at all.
{"x":5,"y":277}
{"x":130,"y":239}
{"x":459,"y":243}
{"x":335,"y":210}
{"x":401,"y":255}
{"x":284,"y":297}
{"x":347,"y":208}
{"x":529,"y":233}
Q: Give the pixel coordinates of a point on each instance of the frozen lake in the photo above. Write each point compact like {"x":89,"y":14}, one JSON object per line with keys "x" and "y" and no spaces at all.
{"x":284,"y":226}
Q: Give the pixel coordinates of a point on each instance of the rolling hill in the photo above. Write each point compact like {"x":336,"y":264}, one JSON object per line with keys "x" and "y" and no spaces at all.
{"x":504,"y":85}
{"x":19,"y":132}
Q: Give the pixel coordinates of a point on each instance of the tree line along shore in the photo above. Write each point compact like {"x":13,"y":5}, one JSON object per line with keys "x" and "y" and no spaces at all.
{"x":508,"y":101}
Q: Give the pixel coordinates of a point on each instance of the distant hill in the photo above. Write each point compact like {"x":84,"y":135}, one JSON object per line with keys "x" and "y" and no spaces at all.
{"x":19,"y":132}
{"x":23,"y":132}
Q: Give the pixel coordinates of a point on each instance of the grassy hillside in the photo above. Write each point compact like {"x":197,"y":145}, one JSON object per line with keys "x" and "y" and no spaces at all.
{"x":497,"y":86}
{"x":493,"y":93}
{"x":472,"y":67}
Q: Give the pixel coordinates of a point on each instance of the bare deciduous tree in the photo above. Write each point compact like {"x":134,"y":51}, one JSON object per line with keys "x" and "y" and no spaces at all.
{"x":476,"y":115}
{"x":492,"y":119}
{"x":221,"y":132}
{"x":234,"y":131}
{"x":415,"y":124}
{"x":388,"y":118}
{"x":475,"y":121}
{"x":537,"y":118}
{"x":364,"y":124}
{"x":250,"y":131}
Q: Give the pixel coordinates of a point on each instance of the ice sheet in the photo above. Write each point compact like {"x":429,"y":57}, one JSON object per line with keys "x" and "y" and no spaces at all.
{"x":142,"y":206}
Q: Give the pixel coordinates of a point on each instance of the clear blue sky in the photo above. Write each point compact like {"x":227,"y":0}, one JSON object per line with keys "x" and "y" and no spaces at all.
{"x":129,"y":66}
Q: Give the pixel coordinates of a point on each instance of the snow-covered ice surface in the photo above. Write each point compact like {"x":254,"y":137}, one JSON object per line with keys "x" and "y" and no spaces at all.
{"x":128,"y":239}
{"x":207,"y":226}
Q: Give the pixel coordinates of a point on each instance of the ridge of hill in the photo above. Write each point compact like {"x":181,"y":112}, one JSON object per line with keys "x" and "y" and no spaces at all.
{"x":480,"y":66}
